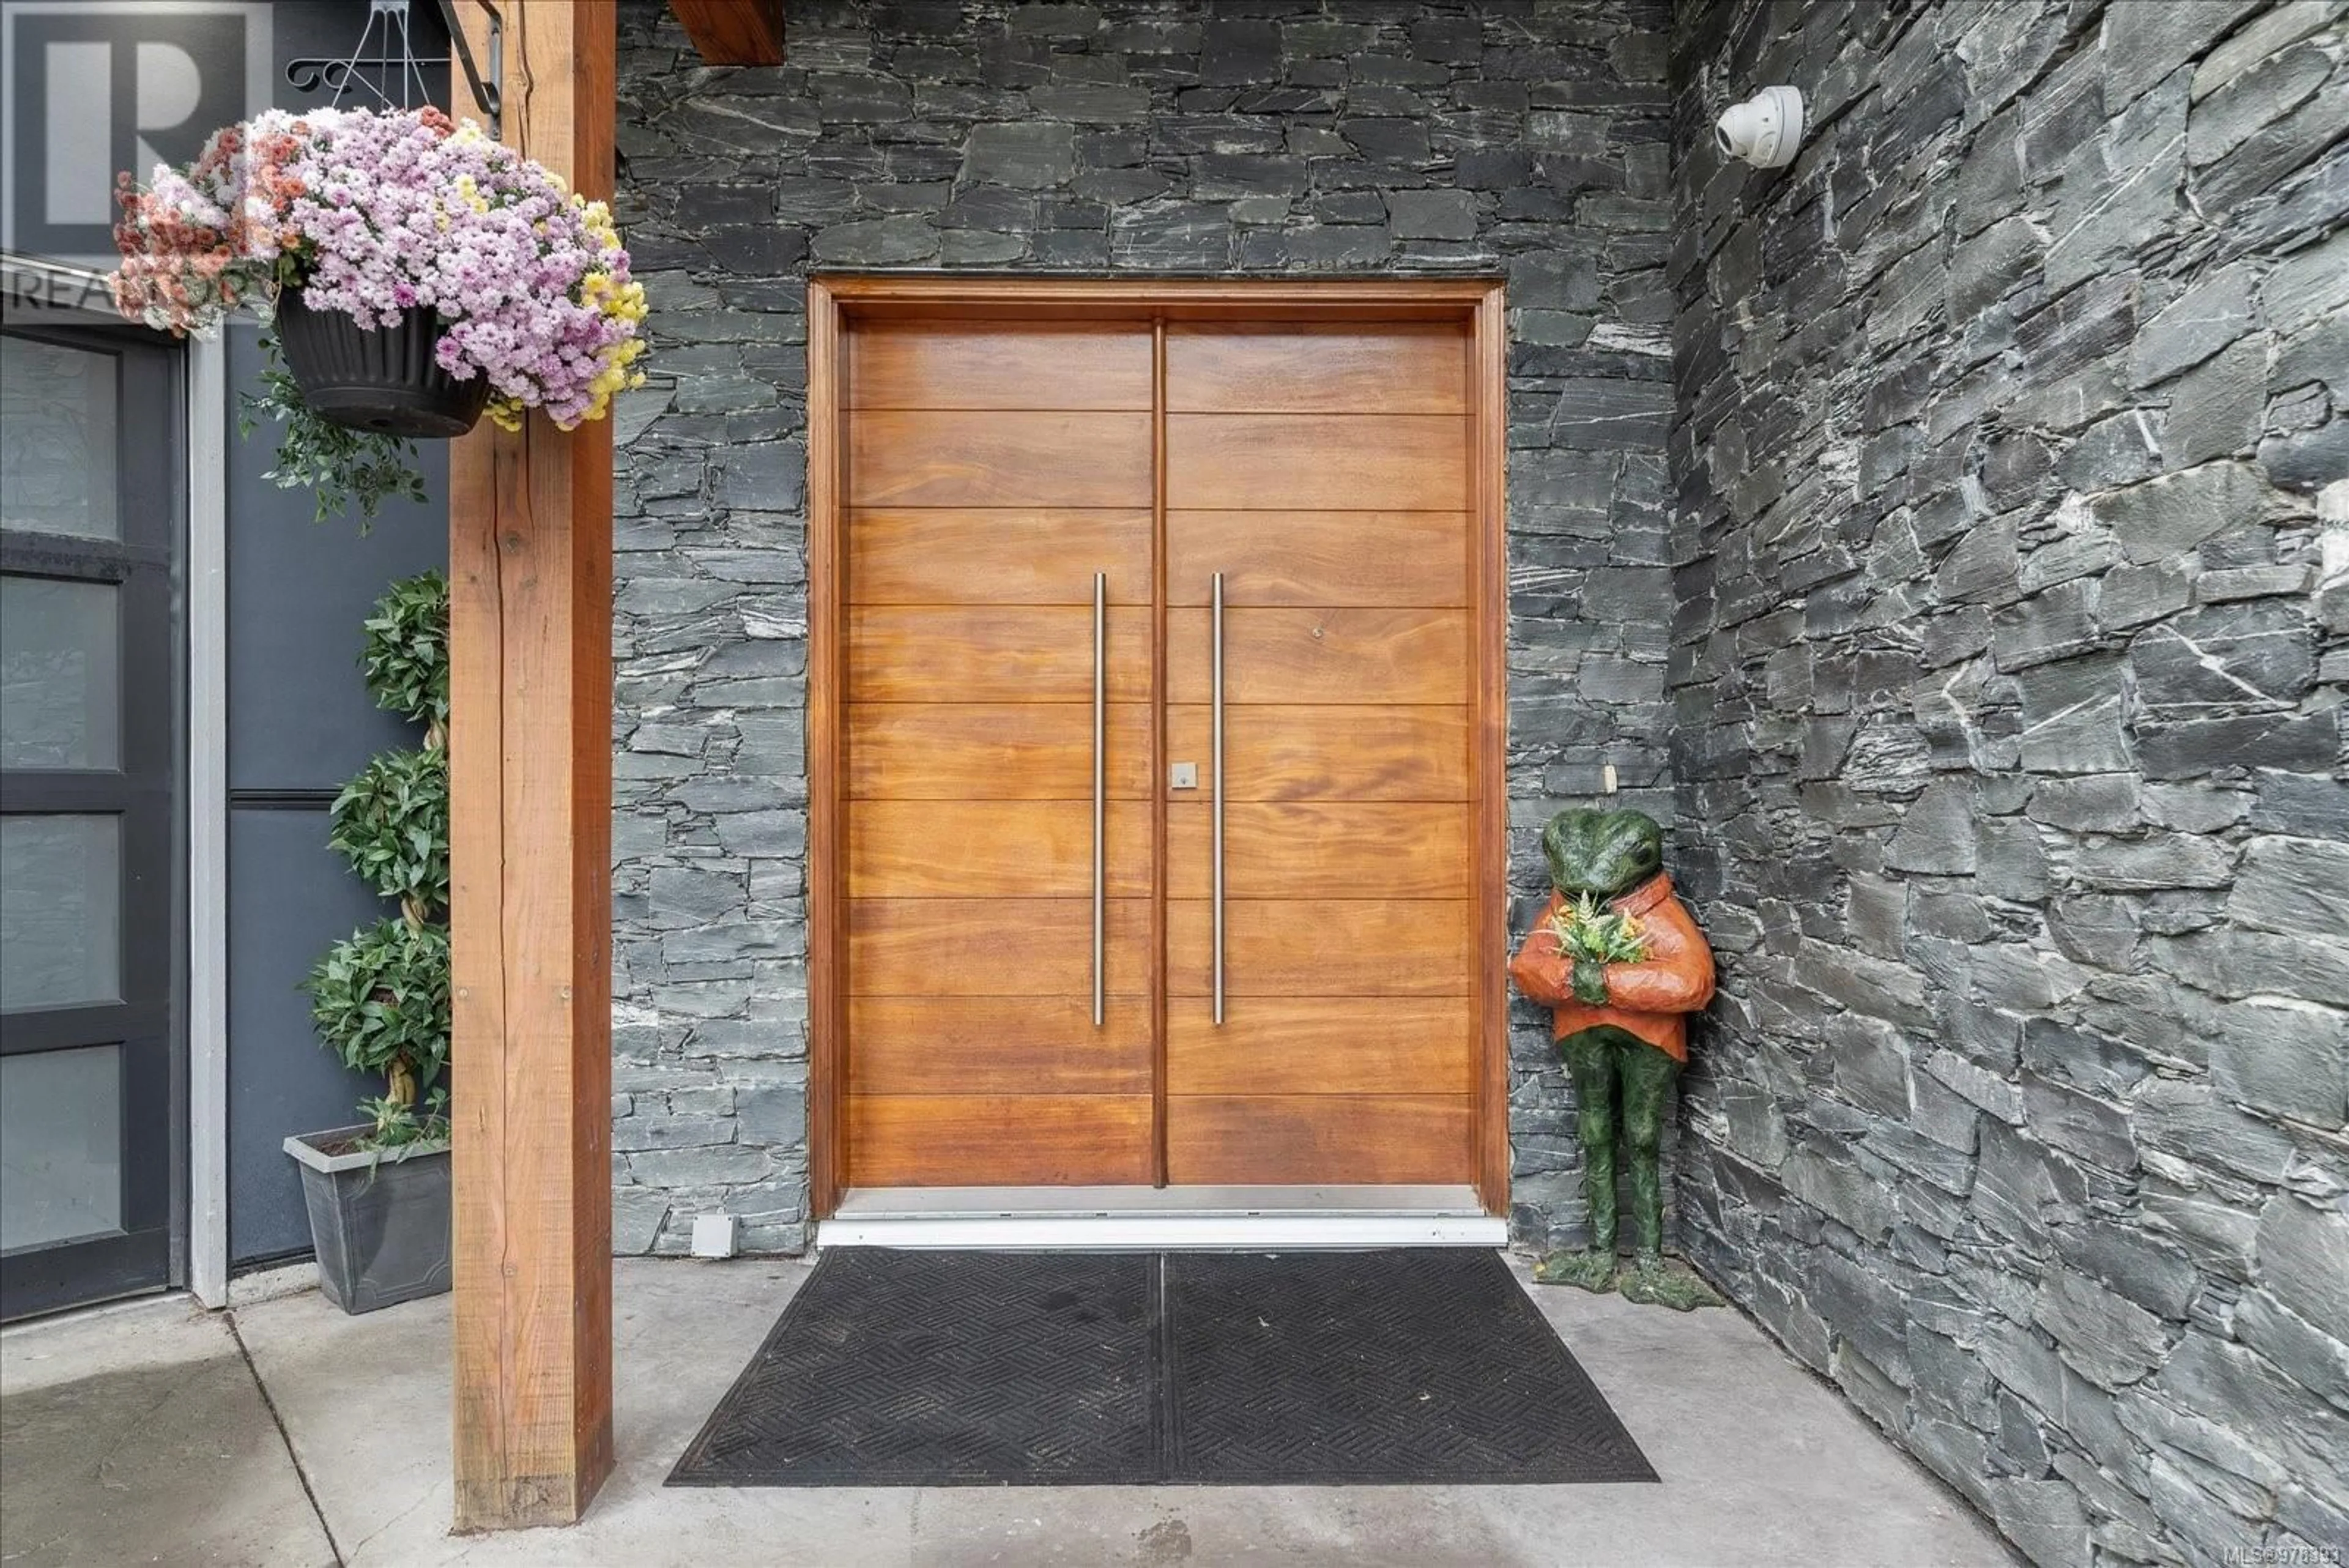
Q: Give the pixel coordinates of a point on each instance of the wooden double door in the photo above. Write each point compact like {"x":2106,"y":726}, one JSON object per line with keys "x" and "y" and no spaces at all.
{"x":1035,"y":520}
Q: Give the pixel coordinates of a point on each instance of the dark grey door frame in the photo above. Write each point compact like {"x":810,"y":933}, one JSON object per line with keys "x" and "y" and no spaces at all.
{"x":146,"y":791}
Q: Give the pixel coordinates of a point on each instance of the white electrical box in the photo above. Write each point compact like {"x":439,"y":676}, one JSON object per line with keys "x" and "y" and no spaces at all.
{"x":713,"y":1235}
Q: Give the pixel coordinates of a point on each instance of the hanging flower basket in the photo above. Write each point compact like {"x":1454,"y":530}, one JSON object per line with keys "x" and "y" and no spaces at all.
{"x":420,"y":274}
{"x":383,"y":380}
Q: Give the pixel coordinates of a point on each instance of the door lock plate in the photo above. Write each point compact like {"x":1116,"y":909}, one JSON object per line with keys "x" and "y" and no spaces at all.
{"x":1183,"y":776}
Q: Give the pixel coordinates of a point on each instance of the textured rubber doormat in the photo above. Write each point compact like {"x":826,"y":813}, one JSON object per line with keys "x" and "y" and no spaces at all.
{"x":952,"y":1369}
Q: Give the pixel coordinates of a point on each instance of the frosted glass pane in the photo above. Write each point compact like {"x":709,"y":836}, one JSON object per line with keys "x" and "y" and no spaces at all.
{"x":61,"y":674}
{"x":60,"y":912}
{"x":56,"y":439}
{"x":60,"y":1146}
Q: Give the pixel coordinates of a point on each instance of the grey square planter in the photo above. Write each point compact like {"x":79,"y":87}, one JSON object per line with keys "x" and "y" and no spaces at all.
{"x":379,"y":1220}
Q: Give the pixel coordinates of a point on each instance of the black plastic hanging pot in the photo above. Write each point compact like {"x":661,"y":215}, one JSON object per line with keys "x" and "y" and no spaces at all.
{"x":385,"y":381}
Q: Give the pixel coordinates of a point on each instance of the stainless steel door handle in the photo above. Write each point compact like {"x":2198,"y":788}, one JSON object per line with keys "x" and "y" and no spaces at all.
{"x":1101,"y":781}
{"x":1215,"y":664}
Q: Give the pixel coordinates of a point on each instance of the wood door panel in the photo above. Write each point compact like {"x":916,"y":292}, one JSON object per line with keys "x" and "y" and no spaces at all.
{"x":993,"y":751}
{"x":1286,"y":1044}
{"x":1319,"y":1139}
{"x":1321,"y":849}
{"x":982,"y":653}
{"x":998,"y":364}
{"x":1002,"y":556}
{"x":999,"y":1140}
{"x":1000,"y":458}
{"x":1388,"y":369}
{"x":999,"y":1045}
{"x":995,"y":850}
{"x":987,"y":468}
{"x":1319,"y":558}
{"x":994,"y":947}
{"x":1360,"y":656}
{"x":1305,"y":752}
{"x":1308,"y":462}
{"x":1335,"y":948}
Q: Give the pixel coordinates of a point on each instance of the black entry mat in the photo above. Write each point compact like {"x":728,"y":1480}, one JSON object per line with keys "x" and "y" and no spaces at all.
{"x":953,"y":1368}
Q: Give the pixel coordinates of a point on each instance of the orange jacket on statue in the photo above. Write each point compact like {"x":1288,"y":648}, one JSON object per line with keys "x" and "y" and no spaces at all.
{"x":1651,"y":998}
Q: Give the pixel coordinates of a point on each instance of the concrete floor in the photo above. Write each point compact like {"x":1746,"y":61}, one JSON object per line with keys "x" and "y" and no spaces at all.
{"x":138,"y":1436}
{"x":137,"y":1433}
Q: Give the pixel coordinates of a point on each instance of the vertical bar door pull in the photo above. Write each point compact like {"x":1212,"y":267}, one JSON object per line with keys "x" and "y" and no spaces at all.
{"x":1100,"y":781}
{"x":1216,"y":658}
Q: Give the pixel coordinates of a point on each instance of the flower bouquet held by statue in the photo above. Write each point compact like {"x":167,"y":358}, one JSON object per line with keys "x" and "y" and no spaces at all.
{"x":1587,"y":931}
{"x":1621,"y":965}
{"x":414,"y":273}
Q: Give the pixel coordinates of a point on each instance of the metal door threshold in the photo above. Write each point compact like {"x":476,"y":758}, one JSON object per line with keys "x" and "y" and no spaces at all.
{"x":1155,"y":1218}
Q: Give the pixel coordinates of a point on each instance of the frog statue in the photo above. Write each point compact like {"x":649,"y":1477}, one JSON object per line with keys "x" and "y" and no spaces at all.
{"x":1621,"y":964}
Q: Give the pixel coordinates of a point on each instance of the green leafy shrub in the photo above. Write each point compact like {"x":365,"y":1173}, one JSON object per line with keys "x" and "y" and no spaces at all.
{"x":379,"y":998}
{"x":391,"y":822}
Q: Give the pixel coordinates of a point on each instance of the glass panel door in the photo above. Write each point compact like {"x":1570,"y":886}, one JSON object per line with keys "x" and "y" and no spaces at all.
{"x":89,"y":895}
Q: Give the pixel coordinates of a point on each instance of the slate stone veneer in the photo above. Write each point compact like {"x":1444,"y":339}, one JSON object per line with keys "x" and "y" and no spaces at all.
{"x":2008,"y":668}
{"x":1982,"y":634}
{"x":1513,"y":140}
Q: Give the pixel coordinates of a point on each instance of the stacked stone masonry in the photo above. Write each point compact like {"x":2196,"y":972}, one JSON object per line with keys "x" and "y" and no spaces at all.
{"x":1935,"y":533}
{"x":1521,"y":140}
{"x":2010,"y":547}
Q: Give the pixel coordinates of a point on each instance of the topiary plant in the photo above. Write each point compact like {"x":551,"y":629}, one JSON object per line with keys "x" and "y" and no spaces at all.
{"x":407,"y":653}
{"x":379,"y":998}
{"x":392,"y":824}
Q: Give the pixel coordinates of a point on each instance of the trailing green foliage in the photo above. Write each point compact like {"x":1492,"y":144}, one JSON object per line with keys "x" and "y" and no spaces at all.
{"x":340,"y":466}
{"x":380,"y":1002}
{"x":392,"y":824}
{"x":406,"y":655}
{"x":397,"y":1125}
{"x":379,"y":998}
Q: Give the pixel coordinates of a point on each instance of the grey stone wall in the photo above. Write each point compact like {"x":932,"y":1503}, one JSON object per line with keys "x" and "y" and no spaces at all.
{"x":2013,"y":631}
{"x":1372,"y":136}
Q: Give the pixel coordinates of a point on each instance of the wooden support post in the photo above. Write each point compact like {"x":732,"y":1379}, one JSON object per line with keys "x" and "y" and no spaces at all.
{"x":529,"y":601}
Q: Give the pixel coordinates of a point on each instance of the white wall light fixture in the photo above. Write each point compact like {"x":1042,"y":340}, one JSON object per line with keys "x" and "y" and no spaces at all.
{"x":1766,"y":129}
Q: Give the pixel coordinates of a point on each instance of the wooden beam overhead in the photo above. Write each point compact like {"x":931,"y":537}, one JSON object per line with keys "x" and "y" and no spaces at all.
{"x":530,"y":610}
{"x":734,"y":32}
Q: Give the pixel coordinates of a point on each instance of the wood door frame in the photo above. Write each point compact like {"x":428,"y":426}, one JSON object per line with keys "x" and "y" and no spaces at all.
{"x":833,"y":302}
